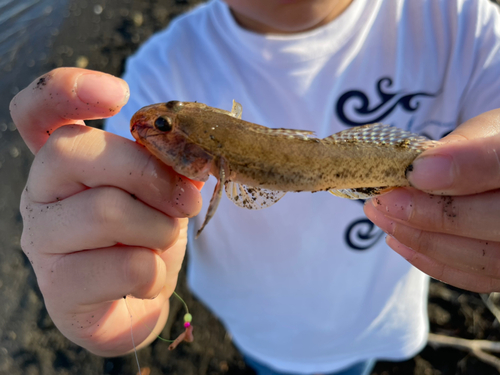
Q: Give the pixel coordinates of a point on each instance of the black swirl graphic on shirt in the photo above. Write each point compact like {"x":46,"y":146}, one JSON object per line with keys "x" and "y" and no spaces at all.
{"x":387,"y":103}
{"x":362,"y":234}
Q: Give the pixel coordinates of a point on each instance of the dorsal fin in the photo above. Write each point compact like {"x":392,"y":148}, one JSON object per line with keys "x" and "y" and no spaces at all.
{"x":305,"y":135}
{"x":236,"y":110}
{"x":381,"y":135}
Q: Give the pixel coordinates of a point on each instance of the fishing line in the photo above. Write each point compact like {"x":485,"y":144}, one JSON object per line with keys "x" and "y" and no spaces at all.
{"x":132,"y":335}
{"x":187,"y":335}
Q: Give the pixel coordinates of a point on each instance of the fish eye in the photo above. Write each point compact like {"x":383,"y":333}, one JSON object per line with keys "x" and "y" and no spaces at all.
{"x":163,"y":124}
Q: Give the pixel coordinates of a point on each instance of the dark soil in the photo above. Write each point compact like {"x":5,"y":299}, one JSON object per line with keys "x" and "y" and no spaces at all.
{"x":100,"y":34}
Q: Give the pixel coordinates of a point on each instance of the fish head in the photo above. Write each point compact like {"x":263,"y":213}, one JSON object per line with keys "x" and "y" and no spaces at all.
{"x":158,"y":128}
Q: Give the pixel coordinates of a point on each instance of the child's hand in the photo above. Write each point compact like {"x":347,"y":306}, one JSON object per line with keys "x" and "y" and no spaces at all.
{"x":453,"y":236}
{"x":102,"y":217}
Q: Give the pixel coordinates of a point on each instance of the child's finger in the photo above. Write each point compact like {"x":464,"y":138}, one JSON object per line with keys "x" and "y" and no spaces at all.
{"x":485,"y":125}
{"x":105,"y":329}
{"x":62,"y":97}
{"x":76,"y":158}
{"x":443,"y":256}
{"x":468,"y":254}
{"x":459,"y":168}
{"x":95,"y":276}
{"x":112,"y":216}
{"x":475,"y":216}
{"x":457,"y":277}
{"x":468,"y":164}
{"x":84,"y":293}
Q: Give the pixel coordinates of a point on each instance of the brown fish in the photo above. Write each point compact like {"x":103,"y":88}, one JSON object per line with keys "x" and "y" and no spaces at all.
{"x":258,"y":165}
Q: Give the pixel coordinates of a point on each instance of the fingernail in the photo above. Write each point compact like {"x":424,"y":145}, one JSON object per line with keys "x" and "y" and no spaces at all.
{"x":397,"y":204}
{"x":102,"y":90}
{"x":431,"y":172}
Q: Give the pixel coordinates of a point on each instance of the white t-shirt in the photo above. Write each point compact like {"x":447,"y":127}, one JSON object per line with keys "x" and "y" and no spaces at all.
{"x":309,"y":285}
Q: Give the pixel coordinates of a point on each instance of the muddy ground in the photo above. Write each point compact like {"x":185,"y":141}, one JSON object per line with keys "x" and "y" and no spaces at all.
{"x":100,"y":34}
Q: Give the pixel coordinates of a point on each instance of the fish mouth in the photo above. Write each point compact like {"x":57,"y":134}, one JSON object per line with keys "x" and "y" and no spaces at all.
{"x":139,"y":131}
{"x":139,"y":126}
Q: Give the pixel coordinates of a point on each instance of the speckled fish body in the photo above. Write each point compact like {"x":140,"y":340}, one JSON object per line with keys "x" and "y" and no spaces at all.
{"x":259,"y":164}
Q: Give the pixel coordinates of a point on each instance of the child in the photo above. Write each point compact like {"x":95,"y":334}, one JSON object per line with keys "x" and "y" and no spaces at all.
{"x":307,"y":285}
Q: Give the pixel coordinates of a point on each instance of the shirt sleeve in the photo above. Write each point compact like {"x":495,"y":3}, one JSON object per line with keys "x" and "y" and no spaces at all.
{"x":482,"y":92}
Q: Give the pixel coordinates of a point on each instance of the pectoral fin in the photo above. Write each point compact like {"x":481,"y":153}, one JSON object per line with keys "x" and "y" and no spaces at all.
{"x":214,"y":202}
{"x":360,"y":193}
{"x":252,"y":198}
